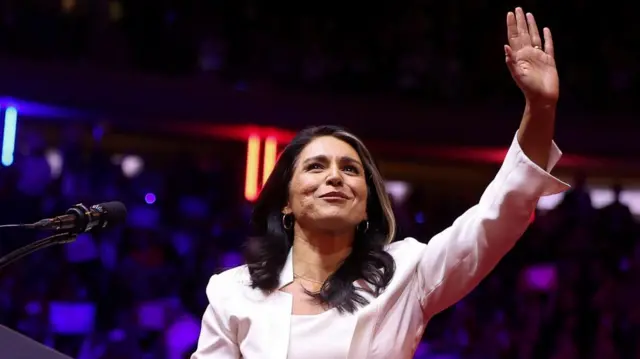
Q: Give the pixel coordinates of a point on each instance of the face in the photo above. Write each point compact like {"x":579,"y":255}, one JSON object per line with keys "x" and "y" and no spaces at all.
{"x":328,"y":189}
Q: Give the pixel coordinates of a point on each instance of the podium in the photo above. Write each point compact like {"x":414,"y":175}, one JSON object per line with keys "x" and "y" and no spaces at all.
{"x":14,"y":345}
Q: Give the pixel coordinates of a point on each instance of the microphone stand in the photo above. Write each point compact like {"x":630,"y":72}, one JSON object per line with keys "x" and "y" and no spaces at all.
{"x":60,"y":238}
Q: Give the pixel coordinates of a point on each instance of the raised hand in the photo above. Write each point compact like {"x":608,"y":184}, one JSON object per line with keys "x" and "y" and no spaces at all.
{"x":532,"y":66}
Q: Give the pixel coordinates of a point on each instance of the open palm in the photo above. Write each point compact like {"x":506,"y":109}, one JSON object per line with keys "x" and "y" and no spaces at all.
{"x":532,"y":67}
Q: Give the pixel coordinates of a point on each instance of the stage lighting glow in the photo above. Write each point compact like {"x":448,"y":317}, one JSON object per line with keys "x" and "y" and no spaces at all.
{"x":253,"y":163}
{"x":132,"y":166}
{"x":55,"y":161}
{"x":9,"y":135}
{"x":150,"y":198}
{"x":398,"y":190}
{"x":269,"y":161}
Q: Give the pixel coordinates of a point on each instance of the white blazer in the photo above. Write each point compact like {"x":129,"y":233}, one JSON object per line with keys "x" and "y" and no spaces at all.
{"x":241,"y":322}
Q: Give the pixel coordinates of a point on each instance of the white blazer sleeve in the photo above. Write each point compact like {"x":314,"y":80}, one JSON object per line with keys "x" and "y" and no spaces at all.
{"x":217,"y":335}
{"x":458,"y":258}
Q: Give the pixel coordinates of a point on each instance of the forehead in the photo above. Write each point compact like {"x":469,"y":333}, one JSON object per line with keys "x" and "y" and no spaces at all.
{"x":330,"y":147}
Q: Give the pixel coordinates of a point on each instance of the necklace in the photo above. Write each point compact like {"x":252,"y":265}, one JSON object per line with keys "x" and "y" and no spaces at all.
{"x":307,"y":279}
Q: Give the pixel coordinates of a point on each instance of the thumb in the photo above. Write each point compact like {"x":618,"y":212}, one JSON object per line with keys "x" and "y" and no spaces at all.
{"x":509,"y":58}
{"x":508,"y":55}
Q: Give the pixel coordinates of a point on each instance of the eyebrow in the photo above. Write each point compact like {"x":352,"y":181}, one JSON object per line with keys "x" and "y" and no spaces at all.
{"x":324,"y":158}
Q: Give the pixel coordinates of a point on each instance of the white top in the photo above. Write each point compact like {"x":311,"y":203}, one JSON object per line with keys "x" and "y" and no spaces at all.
{"x":310,"y":334}
{"x":241,"y":322}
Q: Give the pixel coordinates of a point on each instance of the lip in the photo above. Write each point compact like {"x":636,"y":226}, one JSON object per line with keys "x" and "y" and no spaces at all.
{"x":334,"y":195}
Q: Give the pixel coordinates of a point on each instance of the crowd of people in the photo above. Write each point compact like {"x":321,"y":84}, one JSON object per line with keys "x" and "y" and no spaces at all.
{"x":567,"y":290}
{"x":440,"y":52}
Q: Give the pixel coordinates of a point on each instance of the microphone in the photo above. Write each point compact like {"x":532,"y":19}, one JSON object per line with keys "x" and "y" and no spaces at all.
{"x":79,"y":218}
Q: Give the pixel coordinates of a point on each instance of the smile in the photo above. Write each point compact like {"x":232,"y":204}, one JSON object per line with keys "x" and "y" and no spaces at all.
{"x":334,"y":196}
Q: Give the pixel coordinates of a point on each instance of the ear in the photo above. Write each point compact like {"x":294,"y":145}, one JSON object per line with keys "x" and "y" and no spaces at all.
{"x":287,"y":209}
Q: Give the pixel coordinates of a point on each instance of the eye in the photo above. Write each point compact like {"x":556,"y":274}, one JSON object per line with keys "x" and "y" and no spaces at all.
{"x":314,"y":166}
{"x":352,"y":169}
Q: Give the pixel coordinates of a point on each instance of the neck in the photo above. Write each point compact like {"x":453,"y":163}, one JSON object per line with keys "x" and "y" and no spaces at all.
{"x":316,"y":256}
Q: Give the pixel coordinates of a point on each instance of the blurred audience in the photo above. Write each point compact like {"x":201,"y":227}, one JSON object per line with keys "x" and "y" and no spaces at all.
{"x":567,"y":290}
{"x":439,"y":52}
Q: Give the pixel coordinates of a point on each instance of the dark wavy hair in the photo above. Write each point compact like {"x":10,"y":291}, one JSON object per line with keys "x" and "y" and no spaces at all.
{"x":269,"y":244}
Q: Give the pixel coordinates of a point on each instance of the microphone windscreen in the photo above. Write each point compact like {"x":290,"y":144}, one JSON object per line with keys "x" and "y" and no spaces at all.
{"x":115,"y":211}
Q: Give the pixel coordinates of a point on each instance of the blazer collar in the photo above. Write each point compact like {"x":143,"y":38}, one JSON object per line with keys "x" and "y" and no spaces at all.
{"x":286,"y":274}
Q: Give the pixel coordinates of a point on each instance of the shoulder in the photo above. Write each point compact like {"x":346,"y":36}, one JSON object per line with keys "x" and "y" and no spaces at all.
{"x":226,"y":284}
{"x":406,"y":252}
{"x":405,"y":247}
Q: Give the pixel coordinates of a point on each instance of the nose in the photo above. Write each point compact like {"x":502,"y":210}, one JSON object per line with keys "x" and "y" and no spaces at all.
{"x":334,"y":178}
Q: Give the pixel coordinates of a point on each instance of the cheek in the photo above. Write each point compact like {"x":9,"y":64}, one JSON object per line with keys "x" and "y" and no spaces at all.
{"x":361,"y":192}
{"x":362,"y":203}
{"x":359,"y":187}
{"x":307,"y":185}
{"x":301,"y":194}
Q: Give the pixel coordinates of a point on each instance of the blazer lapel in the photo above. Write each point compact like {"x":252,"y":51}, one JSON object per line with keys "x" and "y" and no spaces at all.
{"x":279,"y":315}
{"x":286,"y":275}
{"x":363,"y":330}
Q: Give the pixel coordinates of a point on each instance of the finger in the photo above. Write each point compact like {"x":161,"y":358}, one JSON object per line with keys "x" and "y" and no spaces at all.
{"x":534,"y":34}
{"x":548,"y":42}
{"x":523,"y":31}
{"x":512,"y":30}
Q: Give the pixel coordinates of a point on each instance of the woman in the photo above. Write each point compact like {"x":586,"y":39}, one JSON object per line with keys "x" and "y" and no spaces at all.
{"x":322,"y":280}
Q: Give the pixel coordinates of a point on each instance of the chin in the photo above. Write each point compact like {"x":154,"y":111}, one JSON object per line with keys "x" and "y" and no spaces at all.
{"x":334,"y":222}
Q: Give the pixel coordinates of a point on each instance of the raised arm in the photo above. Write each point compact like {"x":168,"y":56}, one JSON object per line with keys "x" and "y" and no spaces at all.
{"x":217,"y":338}
{"x":533,"y":68}
{"x":457,"y":259}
